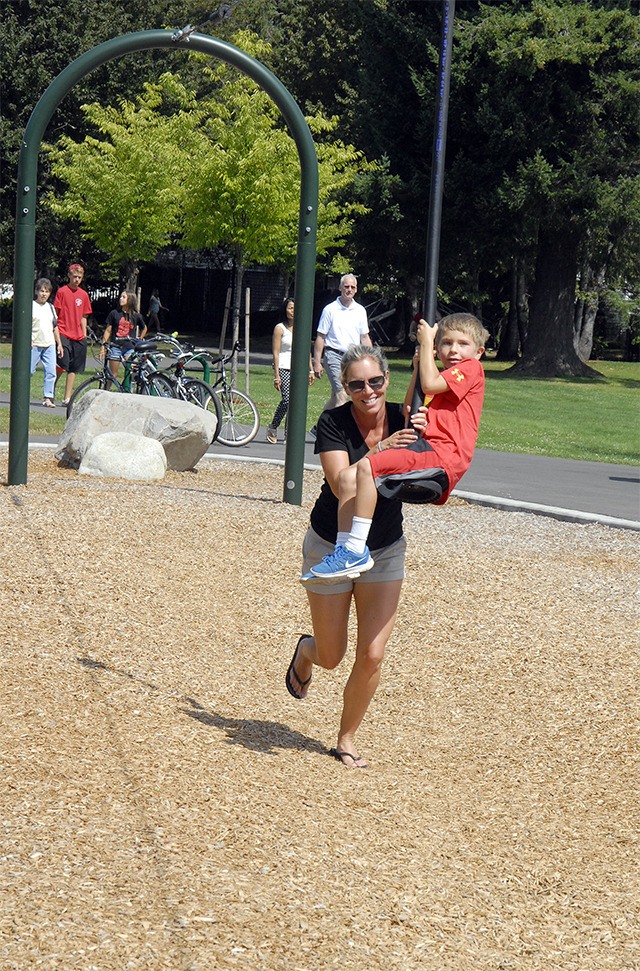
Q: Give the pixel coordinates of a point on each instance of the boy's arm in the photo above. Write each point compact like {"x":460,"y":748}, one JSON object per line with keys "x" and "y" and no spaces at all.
{"x":407,"y":404}
{"x":430,"y":378}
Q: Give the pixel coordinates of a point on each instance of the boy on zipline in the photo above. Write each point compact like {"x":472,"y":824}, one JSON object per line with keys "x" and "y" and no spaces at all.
{"x":445,"y":449}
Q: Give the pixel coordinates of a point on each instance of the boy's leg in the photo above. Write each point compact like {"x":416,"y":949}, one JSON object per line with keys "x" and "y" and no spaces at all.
{"x":351,"y":556}
{"x":346,"y":498}
{"x":366,"y":494}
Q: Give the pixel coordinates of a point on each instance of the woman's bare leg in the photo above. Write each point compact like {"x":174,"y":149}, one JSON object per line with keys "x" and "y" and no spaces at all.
{"x":328,"y":644}
{"x":377,"y":608}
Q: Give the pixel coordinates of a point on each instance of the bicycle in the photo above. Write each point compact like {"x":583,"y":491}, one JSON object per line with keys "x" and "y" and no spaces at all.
{"x":138,"y":377}
{"x":187,"y":388}
{"x":240,"y":419}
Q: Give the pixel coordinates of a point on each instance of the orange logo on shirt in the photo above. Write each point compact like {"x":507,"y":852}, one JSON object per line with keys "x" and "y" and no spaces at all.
{"x":458,"y":375}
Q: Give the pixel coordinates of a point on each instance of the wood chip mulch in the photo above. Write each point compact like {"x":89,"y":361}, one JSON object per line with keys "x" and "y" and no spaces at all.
{"x":165,"y":804}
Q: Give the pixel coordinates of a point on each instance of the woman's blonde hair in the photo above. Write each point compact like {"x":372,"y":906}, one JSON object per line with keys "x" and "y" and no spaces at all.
{"x":358,"y":352}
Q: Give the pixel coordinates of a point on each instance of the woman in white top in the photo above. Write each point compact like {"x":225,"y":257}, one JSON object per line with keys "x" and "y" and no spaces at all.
{"x":45,"y":339}
{"x":281,"y":348}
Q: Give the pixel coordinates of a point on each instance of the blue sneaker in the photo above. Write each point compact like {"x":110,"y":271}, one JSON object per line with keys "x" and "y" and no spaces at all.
{"x":342,"y":563}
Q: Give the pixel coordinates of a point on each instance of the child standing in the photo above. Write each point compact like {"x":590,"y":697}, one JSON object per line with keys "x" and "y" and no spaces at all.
{"x":45,"y":338}
{"x":446,"y":447}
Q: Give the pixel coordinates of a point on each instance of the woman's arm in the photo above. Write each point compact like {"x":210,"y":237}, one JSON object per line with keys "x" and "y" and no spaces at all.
{"x":105,"y":338}
{"x":276,"y":342}
{"x":333,"y":464}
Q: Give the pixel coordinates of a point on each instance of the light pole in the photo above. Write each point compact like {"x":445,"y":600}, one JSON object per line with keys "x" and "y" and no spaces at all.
{"x":430,"y":298}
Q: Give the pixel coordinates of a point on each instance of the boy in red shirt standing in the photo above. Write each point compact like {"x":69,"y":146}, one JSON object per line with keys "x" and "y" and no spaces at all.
{"x":72,"y":306}
{"x":446,"y":448}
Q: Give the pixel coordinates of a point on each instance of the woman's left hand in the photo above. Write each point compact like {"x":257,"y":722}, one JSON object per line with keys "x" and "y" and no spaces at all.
{"x":399,"y":439}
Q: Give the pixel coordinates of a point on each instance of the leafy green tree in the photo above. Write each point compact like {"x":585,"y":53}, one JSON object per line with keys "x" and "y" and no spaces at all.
{"x":243,"y":187}
{"x":207,"y":170}
{"x":125,"y":187}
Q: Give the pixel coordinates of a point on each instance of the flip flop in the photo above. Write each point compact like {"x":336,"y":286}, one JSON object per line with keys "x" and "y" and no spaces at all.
{"x":341,"y":756}
{"x":291,"y":670}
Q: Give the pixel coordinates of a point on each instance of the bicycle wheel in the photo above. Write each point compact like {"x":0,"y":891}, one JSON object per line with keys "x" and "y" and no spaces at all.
{"x":202,"y":394}
{"x":159,"y":386}
{"x":240,"y":418}
{"x":99,"y":383}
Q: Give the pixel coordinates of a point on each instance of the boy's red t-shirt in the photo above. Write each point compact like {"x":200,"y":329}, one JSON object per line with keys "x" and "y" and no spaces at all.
{"x":453,"y":418}
{"x":72,"y":306}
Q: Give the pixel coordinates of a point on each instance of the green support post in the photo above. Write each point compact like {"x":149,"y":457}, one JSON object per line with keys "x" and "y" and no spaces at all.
{"x":25,"y":232}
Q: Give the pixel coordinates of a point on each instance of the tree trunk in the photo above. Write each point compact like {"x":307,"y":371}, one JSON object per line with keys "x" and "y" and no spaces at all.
{"x":131,"y":272}
{"x":510,"y":337}
{"x":522,"y":305}
{"x":549,"y":351}
{"x":591,"y":287}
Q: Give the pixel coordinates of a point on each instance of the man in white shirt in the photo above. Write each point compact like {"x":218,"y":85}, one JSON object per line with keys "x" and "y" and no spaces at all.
{"x":342,"y":322}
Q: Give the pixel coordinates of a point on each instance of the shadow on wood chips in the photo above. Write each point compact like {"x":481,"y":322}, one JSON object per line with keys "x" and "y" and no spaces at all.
{"x":167,"y":805}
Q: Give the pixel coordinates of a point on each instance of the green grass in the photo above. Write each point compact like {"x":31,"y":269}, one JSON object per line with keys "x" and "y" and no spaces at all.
{"x":598,"y":421}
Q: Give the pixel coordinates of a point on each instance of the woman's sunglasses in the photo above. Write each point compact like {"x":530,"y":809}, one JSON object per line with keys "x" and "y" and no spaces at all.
{"x":374,"y":383}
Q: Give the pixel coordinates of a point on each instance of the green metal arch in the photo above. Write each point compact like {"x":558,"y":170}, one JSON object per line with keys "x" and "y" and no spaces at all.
{"x":25,"y":233}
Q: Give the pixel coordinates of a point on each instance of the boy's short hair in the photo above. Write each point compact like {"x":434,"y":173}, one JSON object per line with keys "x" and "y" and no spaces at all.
{"x":466,"y":324}
{"x":43,"y":282}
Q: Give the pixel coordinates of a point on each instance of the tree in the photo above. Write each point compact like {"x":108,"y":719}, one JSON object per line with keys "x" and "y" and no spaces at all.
{"x":243,"y":185}
{"x":124,"y":187}
{"x":553,"y":89}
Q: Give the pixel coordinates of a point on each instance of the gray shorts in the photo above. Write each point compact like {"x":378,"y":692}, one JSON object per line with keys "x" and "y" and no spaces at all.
{"x":388,"y":565}
{"x":332,"y":361}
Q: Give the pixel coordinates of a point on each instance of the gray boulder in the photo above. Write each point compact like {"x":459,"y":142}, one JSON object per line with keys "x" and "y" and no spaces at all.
{"x":184,"y":430}
{"x":121,"y":455}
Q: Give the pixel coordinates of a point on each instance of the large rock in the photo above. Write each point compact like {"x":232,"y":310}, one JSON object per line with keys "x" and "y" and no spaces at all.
{"x":184,"y":430}
{"x":122,"y":455}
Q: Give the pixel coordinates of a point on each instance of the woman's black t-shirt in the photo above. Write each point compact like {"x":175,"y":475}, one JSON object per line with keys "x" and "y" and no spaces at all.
{"x":134,"y":322}
{"x":337,"y":432}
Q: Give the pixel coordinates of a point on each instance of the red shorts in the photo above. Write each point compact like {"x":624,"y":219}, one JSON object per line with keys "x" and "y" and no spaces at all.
{"x":412,"y":474}
{"x":394,"y":461}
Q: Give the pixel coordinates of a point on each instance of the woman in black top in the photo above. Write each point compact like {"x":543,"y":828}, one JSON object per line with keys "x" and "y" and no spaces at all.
{"x":123,"y":325}
{"x":346,"y":434}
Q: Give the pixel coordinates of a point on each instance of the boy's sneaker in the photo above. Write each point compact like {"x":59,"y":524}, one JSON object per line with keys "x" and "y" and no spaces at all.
{"x":272,"y":436}
{"x":343,"y":563}
{"x":48,"y":403}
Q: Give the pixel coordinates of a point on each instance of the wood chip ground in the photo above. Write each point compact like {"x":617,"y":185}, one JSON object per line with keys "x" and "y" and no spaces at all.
{"x":166,"y":805}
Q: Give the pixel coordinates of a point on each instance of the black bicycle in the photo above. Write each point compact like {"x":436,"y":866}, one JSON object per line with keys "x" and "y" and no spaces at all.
{"x":240,"y":417}
{"x":140,"y":376}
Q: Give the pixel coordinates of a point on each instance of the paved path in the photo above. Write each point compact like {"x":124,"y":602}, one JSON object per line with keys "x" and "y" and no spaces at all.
{"x":563,"y":488}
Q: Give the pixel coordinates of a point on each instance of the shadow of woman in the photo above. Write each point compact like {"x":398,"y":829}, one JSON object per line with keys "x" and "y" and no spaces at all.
{"x":267,"y":737}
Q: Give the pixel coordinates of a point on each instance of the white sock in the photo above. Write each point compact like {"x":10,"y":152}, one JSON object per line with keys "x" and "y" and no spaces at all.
{"x":342,"y":538}
{"x":357,"y":539}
